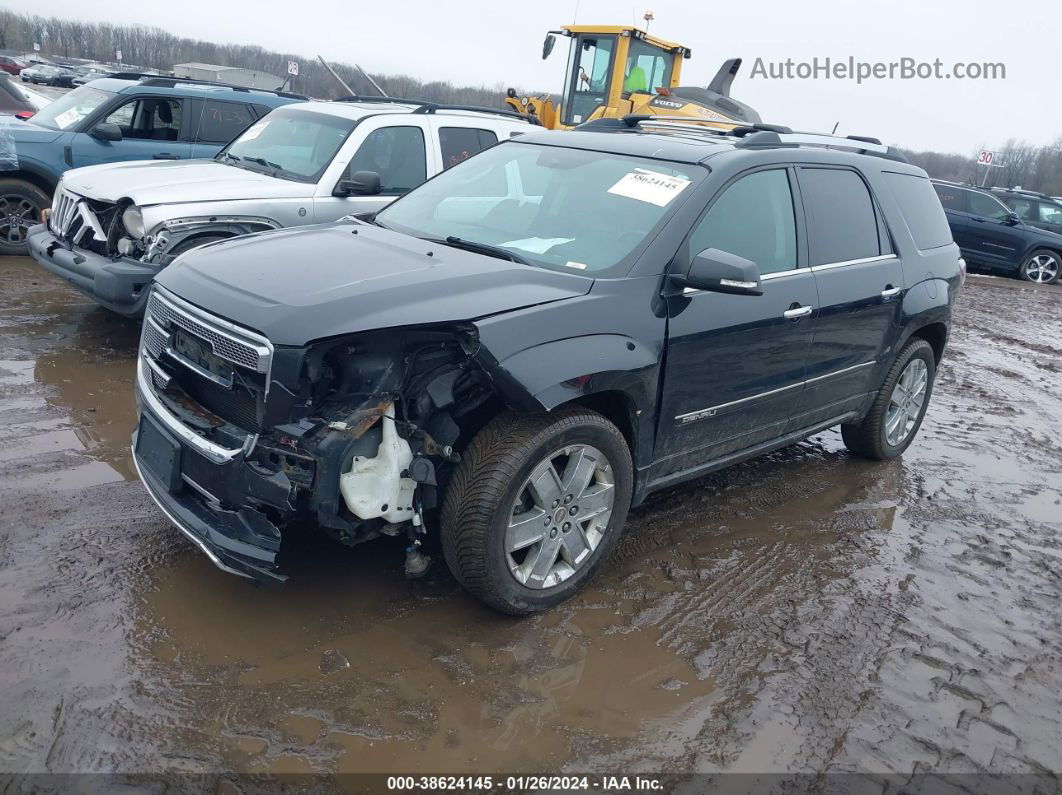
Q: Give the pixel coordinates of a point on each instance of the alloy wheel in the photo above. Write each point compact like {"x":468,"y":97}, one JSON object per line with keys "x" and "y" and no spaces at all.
{"x":1042,"y":268}
{"x":17,"y":215}
{"x":906,"y":401}
{"x":560,"y":516}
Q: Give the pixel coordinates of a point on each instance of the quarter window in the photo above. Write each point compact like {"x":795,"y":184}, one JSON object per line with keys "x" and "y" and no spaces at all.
{"x":753,"y":218}
{"x":987,"y":206}
{"x":460,"y":143}
{"x":396,"y":154}
{"x":950,"y":198}
{"x":842,"y":220}
{"x":920,"y":209}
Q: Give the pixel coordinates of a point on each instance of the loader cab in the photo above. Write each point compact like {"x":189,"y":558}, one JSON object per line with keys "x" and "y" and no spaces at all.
{"x":606,"y":65}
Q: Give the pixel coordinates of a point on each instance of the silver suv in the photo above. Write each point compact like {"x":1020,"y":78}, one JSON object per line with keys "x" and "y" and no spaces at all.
{"x":113,"y":227}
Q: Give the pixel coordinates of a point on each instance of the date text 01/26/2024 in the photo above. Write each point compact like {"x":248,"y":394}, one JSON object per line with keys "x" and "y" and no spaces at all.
{"x":525,"y":783}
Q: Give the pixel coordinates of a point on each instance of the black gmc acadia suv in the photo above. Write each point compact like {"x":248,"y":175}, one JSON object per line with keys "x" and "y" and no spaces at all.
{"x":520,"y":350}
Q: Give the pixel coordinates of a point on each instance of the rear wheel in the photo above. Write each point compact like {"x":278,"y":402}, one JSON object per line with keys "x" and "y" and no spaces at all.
{"x":535,"y":507}
{"x":1042,"y":267}
{"x":20,"y":208}
{"x":896,"y":413}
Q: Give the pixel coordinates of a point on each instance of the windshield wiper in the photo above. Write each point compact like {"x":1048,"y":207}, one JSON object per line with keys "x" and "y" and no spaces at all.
{"x":263,"y":162}
{"x":232,"y":158}
{"x":485,"y":248}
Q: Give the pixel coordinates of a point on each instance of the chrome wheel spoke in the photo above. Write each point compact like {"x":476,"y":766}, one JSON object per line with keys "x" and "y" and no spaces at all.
{"x":579,"y":471}
{"x":525,"y":529}
{"x":596,"y":501}
{"x":545,"y":485}
{"x":542,"y":560}
{"x":575,"y":547}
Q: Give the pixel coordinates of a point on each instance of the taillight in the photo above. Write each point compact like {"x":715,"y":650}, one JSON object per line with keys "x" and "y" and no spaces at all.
{"x":24,"y":114}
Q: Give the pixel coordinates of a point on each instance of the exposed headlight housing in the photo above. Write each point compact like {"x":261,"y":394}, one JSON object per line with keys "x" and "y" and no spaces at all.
{"x":133,"y":219}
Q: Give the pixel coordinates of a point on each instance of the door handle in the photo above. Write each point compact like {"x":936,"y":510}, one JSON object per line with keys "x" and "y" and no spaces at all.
{"x":796,"y":312}
{"x":165,"y":156}
{"x":890,"y":292}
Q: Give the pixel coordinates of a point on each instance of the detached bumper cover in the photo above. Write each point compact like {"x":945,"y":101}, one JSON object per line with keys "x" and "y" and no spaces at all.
{"x":240,"y":541}
{"x":119,"y":284}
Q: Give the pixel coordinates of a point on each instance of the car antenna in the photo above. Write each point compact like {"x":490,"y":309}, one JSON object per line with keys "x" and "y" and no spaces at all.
{"x":835,"y":126}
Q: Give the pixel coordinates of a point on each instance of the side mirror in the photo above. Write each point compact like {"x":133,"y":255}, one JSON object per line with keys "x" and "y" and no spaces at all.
{"x":361,"y":183}
{"x":547,"y":45}
{"x":107,"y":132}
{"x":721,"y":272}
{"x":1012,"y":219}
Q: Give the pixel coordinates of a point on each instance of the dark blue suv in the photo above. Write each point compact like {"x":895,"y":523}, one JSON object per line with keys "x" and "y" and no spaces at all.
{"x":993,"y":237}
{"x":125,"y":117}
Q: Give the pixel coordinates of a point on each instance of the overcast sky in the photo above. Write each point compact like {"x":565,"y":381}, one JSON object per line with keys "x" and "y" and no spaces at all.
{"x":469,"y":42}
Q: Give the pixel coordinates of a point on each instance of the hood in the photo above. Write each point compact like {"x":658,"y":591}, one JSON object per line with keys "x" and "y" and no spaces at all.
{"x":149,"y":182}
{"x":299,"y":285}
{"x":26,"y":132}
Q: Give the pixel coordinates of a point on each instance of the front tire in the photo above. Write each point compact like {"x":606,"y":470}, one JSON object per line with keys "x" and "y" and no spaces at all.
{"x":1042,"y":267}
{"x":20,"y":208}
{"x":535,"y":507}
{"x":896,"y":414}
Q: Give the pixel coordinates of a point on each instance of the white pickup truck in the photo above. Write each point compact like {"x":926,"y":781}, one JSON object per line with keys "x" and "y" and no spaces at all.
{"x":112,"y":227}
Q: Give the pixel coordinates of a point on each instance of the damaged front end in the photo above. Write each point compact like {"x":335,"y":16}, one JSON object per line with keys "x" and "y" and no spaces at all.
{"x":241,"y":442}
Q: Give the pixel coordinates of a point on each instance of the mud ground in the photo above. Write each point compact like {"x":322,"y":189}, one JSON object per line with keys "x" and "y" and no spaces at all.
{"x":805,"y":612}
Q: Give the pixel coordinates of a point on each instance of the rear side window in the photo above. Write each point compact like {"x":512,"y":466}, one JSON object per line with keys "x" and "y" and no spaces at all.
{"x":396,"y":154}
{"x":921,"y":209}
{"x":842,"y":221}
{"x":950,"y":198}
{"x":220,"y":122}
{"x":460,"y":143}
{"x":753,"y":219}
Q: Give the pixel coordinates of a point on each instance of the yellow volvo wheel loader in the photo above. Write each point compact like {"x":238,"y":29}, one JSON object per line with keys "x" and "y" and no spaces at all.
{"x":616,"y":70}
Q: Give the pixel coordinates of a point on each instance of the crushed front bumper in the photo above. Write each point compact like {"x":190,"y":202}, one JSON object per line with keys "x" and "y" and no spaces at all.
{"x":120,"y":285}
{"x":194,"y":494}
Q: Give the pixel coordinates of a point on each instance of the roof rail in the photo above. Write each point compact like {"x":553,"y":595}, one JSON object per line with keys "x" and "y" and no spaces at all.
{"x":424,"y":106}
{"x":753,"y":135}
{"x":170,"y":82}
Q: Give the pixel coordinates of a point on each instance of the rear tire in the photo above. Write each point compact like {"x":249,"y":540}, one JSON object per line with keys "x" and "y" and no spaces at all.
{"x":21,"y":203}
{"x":575,"y":526}
{"x":879,"y":436}
{"x":1041,"y":267}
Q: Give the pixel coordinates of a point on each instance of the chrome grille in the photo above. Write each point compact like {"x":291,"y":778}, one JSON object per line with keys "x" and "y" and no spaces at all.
{"x":64,"y":211}
{"x":224,"y":344}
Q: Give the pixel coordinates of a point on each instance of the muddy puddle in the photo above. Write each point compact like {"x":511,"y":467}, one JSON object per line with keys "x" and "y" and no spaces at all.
{"x":805,"y":612}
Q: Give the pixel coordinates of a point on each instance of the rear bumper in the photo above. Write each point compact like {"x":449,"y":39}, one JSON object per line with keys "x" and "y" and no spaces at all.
{"x":120,"y":285}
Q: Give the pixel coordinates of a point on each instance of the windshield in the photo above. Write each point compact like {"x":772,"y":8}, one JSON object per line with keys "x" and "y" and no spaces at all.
{"x":71,"y":108}
{"x":564,"y":209}
{"x":292,"y":144}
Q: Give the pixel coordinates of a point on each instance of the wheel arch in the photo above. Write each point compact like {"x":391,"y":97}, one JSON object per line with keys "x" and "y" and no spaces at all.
{"x":935,"y":333}
{"x":36,"y":177}
{"x":609,"y":373}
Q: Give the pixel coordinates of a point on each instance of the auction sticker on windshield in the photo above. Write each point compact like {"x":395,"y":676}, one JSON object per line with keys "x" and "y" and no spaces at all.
{"x":649,"y":186}
{"x":68,"y":117}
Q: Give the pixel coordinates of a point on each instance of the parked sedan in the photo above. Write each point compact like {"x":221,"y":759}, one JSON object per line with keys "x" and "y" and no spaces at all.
{"x":12,"y":65}
{"x":86,"y":74}
{"x":48,"y":75}
{"x":993,"y":237}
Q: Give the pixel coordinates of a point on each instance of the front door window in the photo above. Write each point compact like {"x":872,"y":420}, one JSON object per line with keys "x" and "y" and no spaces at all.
{"x":589,"y":77}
